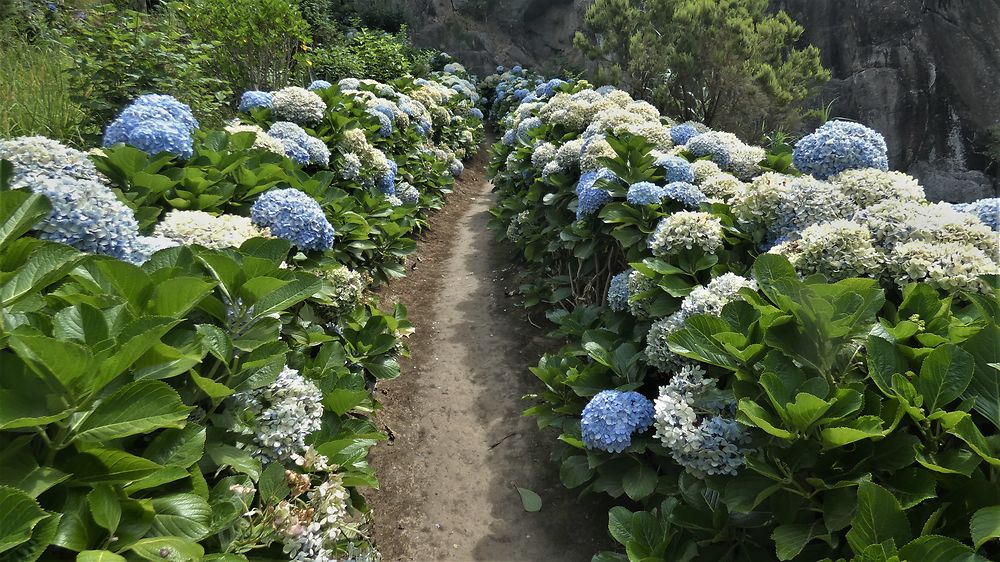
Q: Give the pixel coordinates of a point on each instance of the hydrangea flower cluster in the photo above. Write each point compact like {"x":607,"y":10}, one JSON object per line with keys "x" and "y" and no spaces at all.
{"x":387,"y":183}
{"x":869,"y":186}
{"x":198,"y":227}
{"x":716,"y":145}
{"x":591,"y":199}
{"x":838,"y":249}
{"x":310,"y":534}
{"x":280,"y":416}
{"x":696,"y":425}
{"x":298,"y":105}
{"x":294,"y":216}
{"x":256,"y":99}
{"x":657,"y":351}
{"x":721,"y":187}
{"x":988,"y":211}
{"x":644,"y":193}
{"x":155,"y":123}
{"x":618,"y":291}
{"x":318,"y":85}
{"x":408,"y":194}
{"x":676,"y":168}
{"x":299,"y":145}
{"x":145,"y":246}
{"x":949,"y":266}
{"x":343,"y":289}
{"x":517,"y":228}
{"x":262,"y":140}
{"x":86,"y":215}
{"x":686,"y":230}
{"x":838,"y":146}
{"x":683,"y":133}
{"x":611,"y":418}
{"x":35,"y":158}
{"x":638,"y":301}
{"x":685,"y":193}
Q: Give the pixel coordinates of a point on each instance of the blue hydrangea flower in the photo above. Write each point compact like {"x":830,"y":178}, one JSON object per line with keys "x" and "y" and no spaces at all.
{"x":618,"y":291}
{"x":590,"y":200}
{"x":710,"y":145}
{"x":508,"y":137}
{"x":157,"y":135}
{"x":644,"y":193}
{"x":255,"y":99}
{"x":687,"y":194}
{"x":517,"y":69}
{"x":677,"y":169}
{"x":319,"y":153}
{"x":548,"y":89}
{"x":384,"y":122}
{"x":87,"y":215}
{"x":154,"y":123}
{"x":839,"y":146}
{"x":605,"y":90}
{"x":521,"y":94}
{"x":988,"y":210}
{"x":294,"y":216}
{"x":456,"y":168}
{"x":501,"y":69}
{"x":387,"y":183}
{"x":681,"y":134}
{"x":319,"y":85}
{"x":477,"y":113}
{"x":526,"y":126}
{"x":295,"y":139}
{"x":408,"y":194}
{"x":611,"y":417}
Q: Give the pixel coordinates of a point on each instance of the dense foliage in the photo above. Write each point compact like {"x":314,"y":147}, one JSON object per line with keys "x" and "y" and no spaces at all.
{"x":760,"y":364}
{"x":731,"y":64}
{"x":187,"y":337}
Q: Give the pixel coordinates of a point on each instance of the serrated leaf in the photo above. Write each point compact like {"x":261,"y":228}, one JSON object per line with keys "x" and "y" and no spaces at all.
{"x":140,"y":407}
{"x":985,"y":525}
{"x":19,"y":513}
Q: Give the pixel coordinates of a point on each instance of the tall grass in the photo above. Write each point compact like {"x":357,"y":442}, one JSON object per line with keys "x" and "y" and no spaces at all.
{"x":35,"y":92}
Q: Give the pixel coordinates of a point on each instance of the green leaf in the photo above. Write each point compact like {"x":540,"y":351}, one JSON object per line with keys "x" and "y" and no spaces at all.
{"x":640,"y":481}
{"x":272,"y":484}
{"x":105,"y":507}
{"x":19,"y":514}
{"x":140,"y":407}
{"x":944,"y":376}
{"x":935,"y":548}
{"x":47,"y":264}
{"x":985,"y":525}
{"x":806,"y":410}
{"x":759,"y":417}
{"x":789,"y":540}
{"x":181,"y":515}
{"x":530,"y":500}
{"x":168,"y":549}
{"x":178,"y":447}
{"x":228,"y":455}
{"x":99,"y":556}
{"x":176,"y":296}
{"x":20,"y":211}
{"x":985,"y":385}
{"x":63,"y":361}
{"x":879,"y":518}
{"x":575,"y":471}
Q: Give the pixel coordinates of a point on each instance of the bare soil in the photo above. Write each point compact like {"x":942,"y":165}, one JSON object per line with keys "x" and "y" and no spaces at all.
{"x":458,"y":443}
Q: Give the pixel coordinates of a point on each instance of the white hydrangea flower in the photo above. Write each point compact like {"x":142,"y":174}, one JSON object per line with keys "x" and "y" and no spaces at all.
{"x":869,"y":186}
{"x":298,"y":105}
{"x":263,"y":141}
{"x":203,"y":229}
{"x":703,"y":169}
{"x":838,"y":249}
{"x":594,"y":149}
{"x":723,"y":187}
{"x":542,"y":155}
{"x":711,"y":298}
{"x":687,"y":230}
{"x":949,"y":266}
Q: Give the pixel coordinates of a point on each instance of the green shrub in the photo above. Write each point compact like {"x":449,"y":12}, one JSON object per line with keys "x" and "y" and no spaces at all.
{"x":367,"y":53}
{"x":122,"y":55}
{"x":256,"y":40}
{"x":35,"y":93}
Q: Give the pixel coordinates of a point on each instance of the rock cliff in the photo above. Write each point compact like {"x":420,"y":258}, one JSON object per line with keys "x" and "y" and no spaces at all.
{"x":924,"y":72}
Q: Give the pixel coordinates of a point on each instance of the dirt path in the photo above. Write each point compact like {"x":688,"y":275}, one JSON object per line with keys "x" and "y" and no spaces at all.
{"x":459,"y":443}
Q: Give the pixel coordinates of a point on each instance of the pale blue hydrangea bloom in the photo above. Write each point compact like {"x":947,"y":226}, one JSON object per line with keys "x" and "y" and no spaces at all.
{"x":988,"y":210}
{"x":86,"y":215}
{"x":611,"y":417}
{"x":255,"y":99}
{"x":522,"y":93}
{"x":710,"y":145}
{"x":517,"y":69}
{"x":605,"y":90}
{"x":477,"y":113}
{"x":384,"y":122}
{"x":319,"y":153}
{"x":682,"y":133}
{"x":154,"y":123}
{"x":618,"y":291}
{"x":145,"y":246}
{"x":387,"y":183}
{"x":408,"y":194}
{"x":644,"y":193}
{"x":294,"y":216}
{"x":548,"y":89}
{"x":299,"y":146}
{"x":590,"y":201}
{"x":501,"y":69}
{"x":677,"y":168}
{"x":456,"y":168}
{"x":34,"y":158}
{"x":686,"y":193}
{"x":839,"y":146}
{"x":319,"y":85}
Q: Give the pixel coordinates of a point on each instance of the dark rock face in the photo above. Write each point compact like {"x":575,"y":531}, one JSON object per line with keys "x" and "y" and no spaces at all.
{"x":926,"y":73}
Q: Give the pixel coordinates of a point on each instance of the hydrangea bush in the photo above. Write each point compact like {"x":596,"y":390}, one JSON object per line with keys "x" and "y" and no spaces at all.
{"x":816,"y":340}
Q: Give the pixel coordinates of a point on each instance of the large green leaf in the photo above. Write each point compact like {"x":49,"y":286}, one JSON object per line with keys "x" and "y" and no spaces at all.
{"x":99,"y":556}
{"x":944,"y":376}
{"x":985,"y":525}
{"x":935,"y":548}
{"x":48,"y":263}
{"x":168,"y":549}
{"x":63,"y":361}
{"x":985,"y":384}
{"x":20,"y":211}
{"x":176,"y":296}
{"x":181,"y":515}
{"x":105,"y":507}
{"x":790,"y":539}
{"x":139,"y":407}
{"x":639,"y":481}
{"x":19,"y":514}
{"x":879,"y":518}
